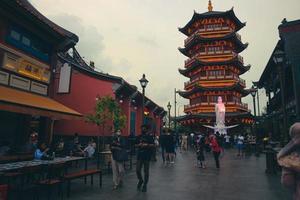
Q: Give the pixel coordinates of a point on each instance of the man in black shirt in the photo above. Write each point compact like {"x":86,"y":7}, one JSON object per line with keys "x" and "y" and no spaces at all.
{"x":145,"y":144}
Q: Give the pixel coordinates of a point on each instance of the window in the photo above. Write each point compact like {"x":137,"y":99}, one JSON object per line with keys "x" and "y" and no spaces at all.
{"x":216,"y":73}
{"x":203,"y":73}
{"x":195,"y":101}
{"x":228,"y":73}
{"x":15,"y":35}
{"x":203,"y":99}
{"x":202,"y":49}
{"x":29,"y":43}
{"x":25,"y":41}
{"x":229,"y":98}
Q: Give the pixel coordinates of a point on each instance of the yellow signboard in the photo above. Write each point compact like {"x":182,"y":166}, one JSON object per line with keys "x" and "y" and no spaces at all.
{"x":26,"y":68}
{"x":33,"y":71}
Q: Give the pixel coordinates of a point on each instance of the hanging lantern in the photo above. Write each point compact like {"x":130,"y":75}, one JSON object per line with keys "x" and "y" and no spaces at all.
{"x":146,"y":111}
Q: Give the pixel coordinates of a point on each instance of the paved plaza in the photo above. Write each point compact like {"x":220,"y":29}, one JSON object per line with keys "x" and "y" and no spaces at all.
{"x":238,"y":179}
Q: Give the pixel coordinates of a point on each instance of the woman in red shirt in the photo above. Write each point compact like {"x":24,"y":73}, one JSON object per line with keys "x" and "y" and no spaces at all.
{"x":216,"y":149}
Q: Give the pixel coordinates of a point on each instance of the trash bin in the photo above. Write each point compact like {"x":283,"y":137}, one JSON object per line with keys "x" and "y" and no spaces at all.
{"x":271,"y":161}
{"x":3,"y":192}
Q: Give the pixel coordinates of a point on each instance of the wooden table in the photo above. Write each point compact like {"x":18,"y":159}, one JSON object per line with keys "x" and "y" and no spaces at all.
{"x":32,"y":163}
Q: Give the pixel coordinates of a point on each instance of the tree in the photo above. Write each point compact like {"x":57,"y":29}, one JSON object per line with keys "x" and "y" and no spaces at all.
{"x":107,"y":113}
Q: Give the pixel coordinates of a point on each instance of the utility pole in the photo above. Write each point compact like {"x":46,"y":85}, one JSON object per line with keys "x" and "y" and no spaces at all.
{"x":175,"y":121}
{"x":258,"y":109}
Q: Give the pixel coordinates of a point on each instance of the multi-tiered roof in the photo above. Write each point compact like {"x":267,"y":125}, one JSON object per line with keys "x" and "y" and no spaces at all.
{"x":213,"y":67}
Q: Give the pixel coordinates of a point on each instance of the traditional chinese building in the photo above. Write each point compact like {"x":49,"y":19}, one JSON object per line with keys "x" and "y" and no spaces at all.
{"x":280,"y":79}
{"x":78,"y":85}
{"x":29,"y":43}
{"x":214,"y":67}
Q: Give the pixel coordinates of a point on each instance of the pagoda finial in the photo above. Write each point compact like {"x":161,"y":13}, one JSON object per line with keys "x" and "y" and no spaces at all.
{"x":210,"y":7}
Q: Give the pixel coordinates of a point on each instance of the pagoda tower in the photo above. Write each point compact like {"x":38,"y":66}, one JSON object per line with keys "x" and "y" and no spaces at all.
{"x":214,"y":67}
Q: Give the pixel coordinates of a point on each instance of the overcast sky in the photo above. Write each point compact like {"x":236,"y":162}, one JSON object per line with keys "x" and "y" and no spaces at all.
{"x":131,"y":37}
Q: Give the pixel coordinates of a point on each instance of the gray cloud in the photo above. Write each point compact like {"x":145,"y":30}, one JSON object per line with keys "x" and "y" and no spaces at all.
{"x":91,"y":44}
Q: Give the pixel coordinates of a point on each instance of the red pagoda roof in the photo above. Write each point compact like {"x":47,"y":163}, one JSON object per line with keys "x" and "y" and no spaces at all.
{"x":230,"y":13}
{"x":198,"y":39}
{"x":198,"y":63}
{"x":198,"y":88}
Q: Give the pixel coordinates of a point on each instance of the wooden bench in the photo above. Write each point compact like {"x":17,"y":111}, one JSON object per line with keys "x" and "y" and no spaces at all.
{"x":80,"y":174}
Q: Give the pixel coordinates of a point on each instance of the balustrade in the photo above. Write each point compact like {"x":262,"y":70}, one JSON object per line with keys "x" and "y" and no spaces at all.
{"x":225,"y":77}
{"x":207,"y":30}
{"x":189,"y":61}
{"x":192,"y":107}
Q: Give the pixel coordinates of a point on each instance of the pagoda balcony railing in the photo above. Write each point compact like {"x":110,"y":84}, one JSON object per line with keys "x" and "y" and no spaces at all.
{"x":189,"y":61}
{"x":207,"y":30}
{"x":208,"y":78}
{"x":238,"y":104}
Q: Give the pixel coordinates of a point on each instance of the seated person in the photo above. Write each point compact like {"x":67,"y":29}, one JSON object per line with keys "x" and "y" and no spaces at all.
{"x":41,"y":152}
{"x":60,"y":147}
{"x":4,"y":148}
{"x":77,"y":150}
{"x":90,"y":149}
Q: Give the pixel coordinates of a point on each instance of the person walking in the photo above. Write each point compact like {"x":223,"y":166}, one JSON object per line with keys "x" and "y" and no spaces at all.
{"x":162,"y":142}
{"x":119,"y":155}
{"x":240,"y":145}
{"x":216,"y":149}
{"x":184,"y":142}
{"x":227,"y":141}
{"x":145,"y":144}
{"x":200,"y":152}
{"x":170,"y":148}
{"x":289,"y":159}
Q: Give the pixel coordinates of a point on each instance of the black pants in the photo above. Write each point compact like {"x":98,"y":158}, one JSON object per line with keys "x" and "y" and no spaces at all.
{"x":163,"y":150}
{"x":216,"y":156}
{"x":139,"y":166}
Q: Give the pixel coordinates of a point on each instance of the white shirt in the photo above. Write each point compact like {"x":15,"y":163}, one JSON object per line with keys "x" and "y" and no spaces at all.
{"x":240,"y":140}
{"x":227,"y":137}
{"x":90,"y":150}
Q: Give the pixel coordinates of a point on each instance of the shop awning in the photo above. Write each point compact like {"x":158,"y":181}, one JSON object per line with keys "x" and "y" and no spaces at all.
{"x":14,"y":100}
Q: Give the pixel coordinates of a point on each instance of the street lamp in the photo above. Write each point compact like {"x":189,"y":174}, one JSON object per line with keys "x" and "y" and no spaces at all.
{"x":253,"y":94}
{"x":143,"y":82}
{"x":278,"y":58}
{"x":169,"y":109}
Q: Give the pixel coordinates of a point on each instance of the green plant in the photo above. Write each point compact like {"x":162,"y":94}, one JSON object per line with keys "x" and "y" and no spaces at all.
{"x":107,"y":112}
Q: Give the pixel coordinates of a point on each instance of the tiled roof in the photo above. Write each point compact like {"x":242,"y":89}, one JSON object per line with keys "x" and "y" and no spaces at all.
{"x":25,"y":4}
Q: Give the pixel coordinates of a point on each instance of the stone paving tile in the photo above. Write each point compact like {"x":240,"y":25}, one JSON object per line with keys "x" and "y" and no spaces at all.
{"x":238,"y":179}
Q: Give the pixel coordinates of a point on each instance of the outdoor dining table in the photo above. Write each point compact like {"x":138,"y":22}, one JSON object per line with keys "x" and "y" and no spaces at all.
{"x":32,"y":163}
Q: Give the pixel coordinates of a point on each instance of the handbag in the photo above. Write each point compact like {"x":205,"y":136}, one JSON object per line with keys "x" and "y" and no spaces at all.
{"x":121,"y":155}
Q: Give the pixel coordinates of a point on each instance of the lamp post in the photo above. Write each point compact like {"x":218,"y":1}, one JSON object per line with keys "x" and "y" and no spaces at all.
{"x":258,"y":110}
{"x":253,"y":94}
{"x":169,"y":109}
{"x":278,"y":58}
{"x":175,"y":104}
{"x":143,"y":82}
